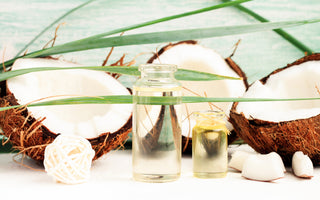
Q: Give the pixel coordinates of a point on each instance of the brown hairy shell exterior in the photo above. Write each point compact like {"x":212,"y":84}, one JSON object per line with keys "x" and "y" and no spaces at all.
{"x":285,"y":138}
{"x":30,"y":136}
{"x":187,"y":141}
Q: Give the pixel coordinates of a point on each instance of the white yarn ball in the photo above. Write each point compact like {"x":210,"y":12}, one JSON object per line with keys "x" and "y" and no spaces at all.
{"x":68,"y":159}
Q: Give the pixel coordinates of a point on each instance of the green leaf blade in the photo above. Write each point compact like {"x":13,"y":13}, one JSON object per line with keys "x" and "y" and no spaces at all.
{"x":169,"y":36}
{"x":290,"y":38}
{"x":164,"y":19}
{"x":181,"y":74}
{"x":128,"y":99}
{"x":192,"y":75}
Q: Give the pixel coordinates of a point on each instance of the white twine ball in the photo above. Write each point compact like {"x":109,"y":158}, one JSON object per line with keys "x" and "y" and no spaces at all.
{"x":68,"y":159}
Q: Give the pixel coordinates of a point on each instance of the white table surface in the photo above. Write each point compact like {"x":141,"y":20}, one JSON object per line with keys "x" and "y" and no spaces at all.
{"x":111,"y":179}
{"x":111,"y":175}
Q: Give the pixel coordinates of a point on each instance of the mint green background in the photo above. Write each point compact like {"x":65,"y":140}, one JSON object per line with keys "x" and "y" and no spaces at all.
{"x":258,"y":53}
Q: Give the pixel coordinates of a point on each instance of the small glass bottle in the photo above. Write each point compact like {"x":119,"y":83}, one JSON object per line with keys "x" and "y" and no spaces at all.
{"x":209,"y":145}
{"x":156,"y":142}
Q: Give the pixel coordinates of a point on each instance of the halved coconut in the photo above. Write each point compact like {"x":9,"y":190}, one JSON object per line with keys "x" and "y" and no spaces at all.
{"x":104,"y":125}
{"x":284,"y":127}
{"x":190,"y":55}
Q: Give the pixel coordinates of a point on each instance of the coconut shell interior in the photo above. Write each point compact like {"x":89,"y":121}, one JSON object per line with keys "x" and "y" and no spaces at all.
{"x":30,"y":136}
{"x":285,"y":137}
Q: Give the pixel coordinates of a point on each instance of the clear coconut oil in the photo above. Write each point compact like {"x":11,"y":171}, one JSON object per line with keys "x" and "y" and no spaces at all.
{"x":156,"y":131}
{"x":209,"y":145}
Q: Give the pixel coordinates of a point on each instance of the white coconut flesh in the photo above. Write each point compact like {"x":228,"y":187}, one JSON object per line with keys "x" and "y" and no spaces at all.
{"x":87,"y":120}
{"x":299,"y":81}
{"x":197,"y":57}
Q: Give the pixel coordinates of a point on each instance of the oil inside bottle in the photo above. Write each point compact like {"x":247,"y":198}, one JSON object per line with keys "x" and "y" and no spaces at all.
{"x":209,"y":147}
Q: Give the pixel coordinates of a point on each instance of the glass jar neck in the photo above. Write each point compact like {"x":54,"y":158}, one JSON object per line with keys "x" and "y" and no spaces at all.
{"x":156,"y":71}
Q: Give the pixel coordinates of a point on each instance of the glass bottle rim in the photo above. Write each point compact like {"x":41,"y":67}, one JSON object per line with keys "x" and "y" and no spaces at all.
{"x":158,"y":68}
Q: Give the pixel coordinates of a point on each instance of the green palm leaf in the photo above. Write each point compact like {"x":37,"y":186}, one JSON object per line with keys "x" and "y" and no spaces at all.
{"x":290,"y":38}
{"x":181,"y":74}
{"x":127,"y":99}
{"x":165,"y":36}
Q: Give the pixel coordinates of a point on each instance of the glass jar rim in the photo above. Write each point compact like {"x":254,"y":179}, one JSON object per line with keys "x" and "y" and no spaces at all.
{"x":208,"y":114}
{"x":158,"y":68}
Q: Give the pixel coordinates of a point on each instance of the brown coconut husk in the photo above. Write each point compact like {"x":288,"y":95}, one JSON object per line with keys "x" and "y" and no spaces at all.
{"x":23,"y":131}
{"x":187,"y":141}
{"x":286,"y":137}
{"x":30,"y":136}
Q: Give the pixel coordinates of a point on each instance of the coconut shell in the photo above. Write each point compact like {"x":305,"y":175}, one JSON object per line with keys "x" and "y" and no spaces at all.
{"x":187,"y":141}
{"x":30,"y":136}
{"x":286,"y":137}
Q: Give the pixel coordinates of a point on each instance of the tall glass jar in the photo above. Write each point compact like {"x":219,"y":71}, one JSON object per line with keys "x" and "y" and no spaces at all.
{"x":209,"y":145}
{"x":156,"y":142}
